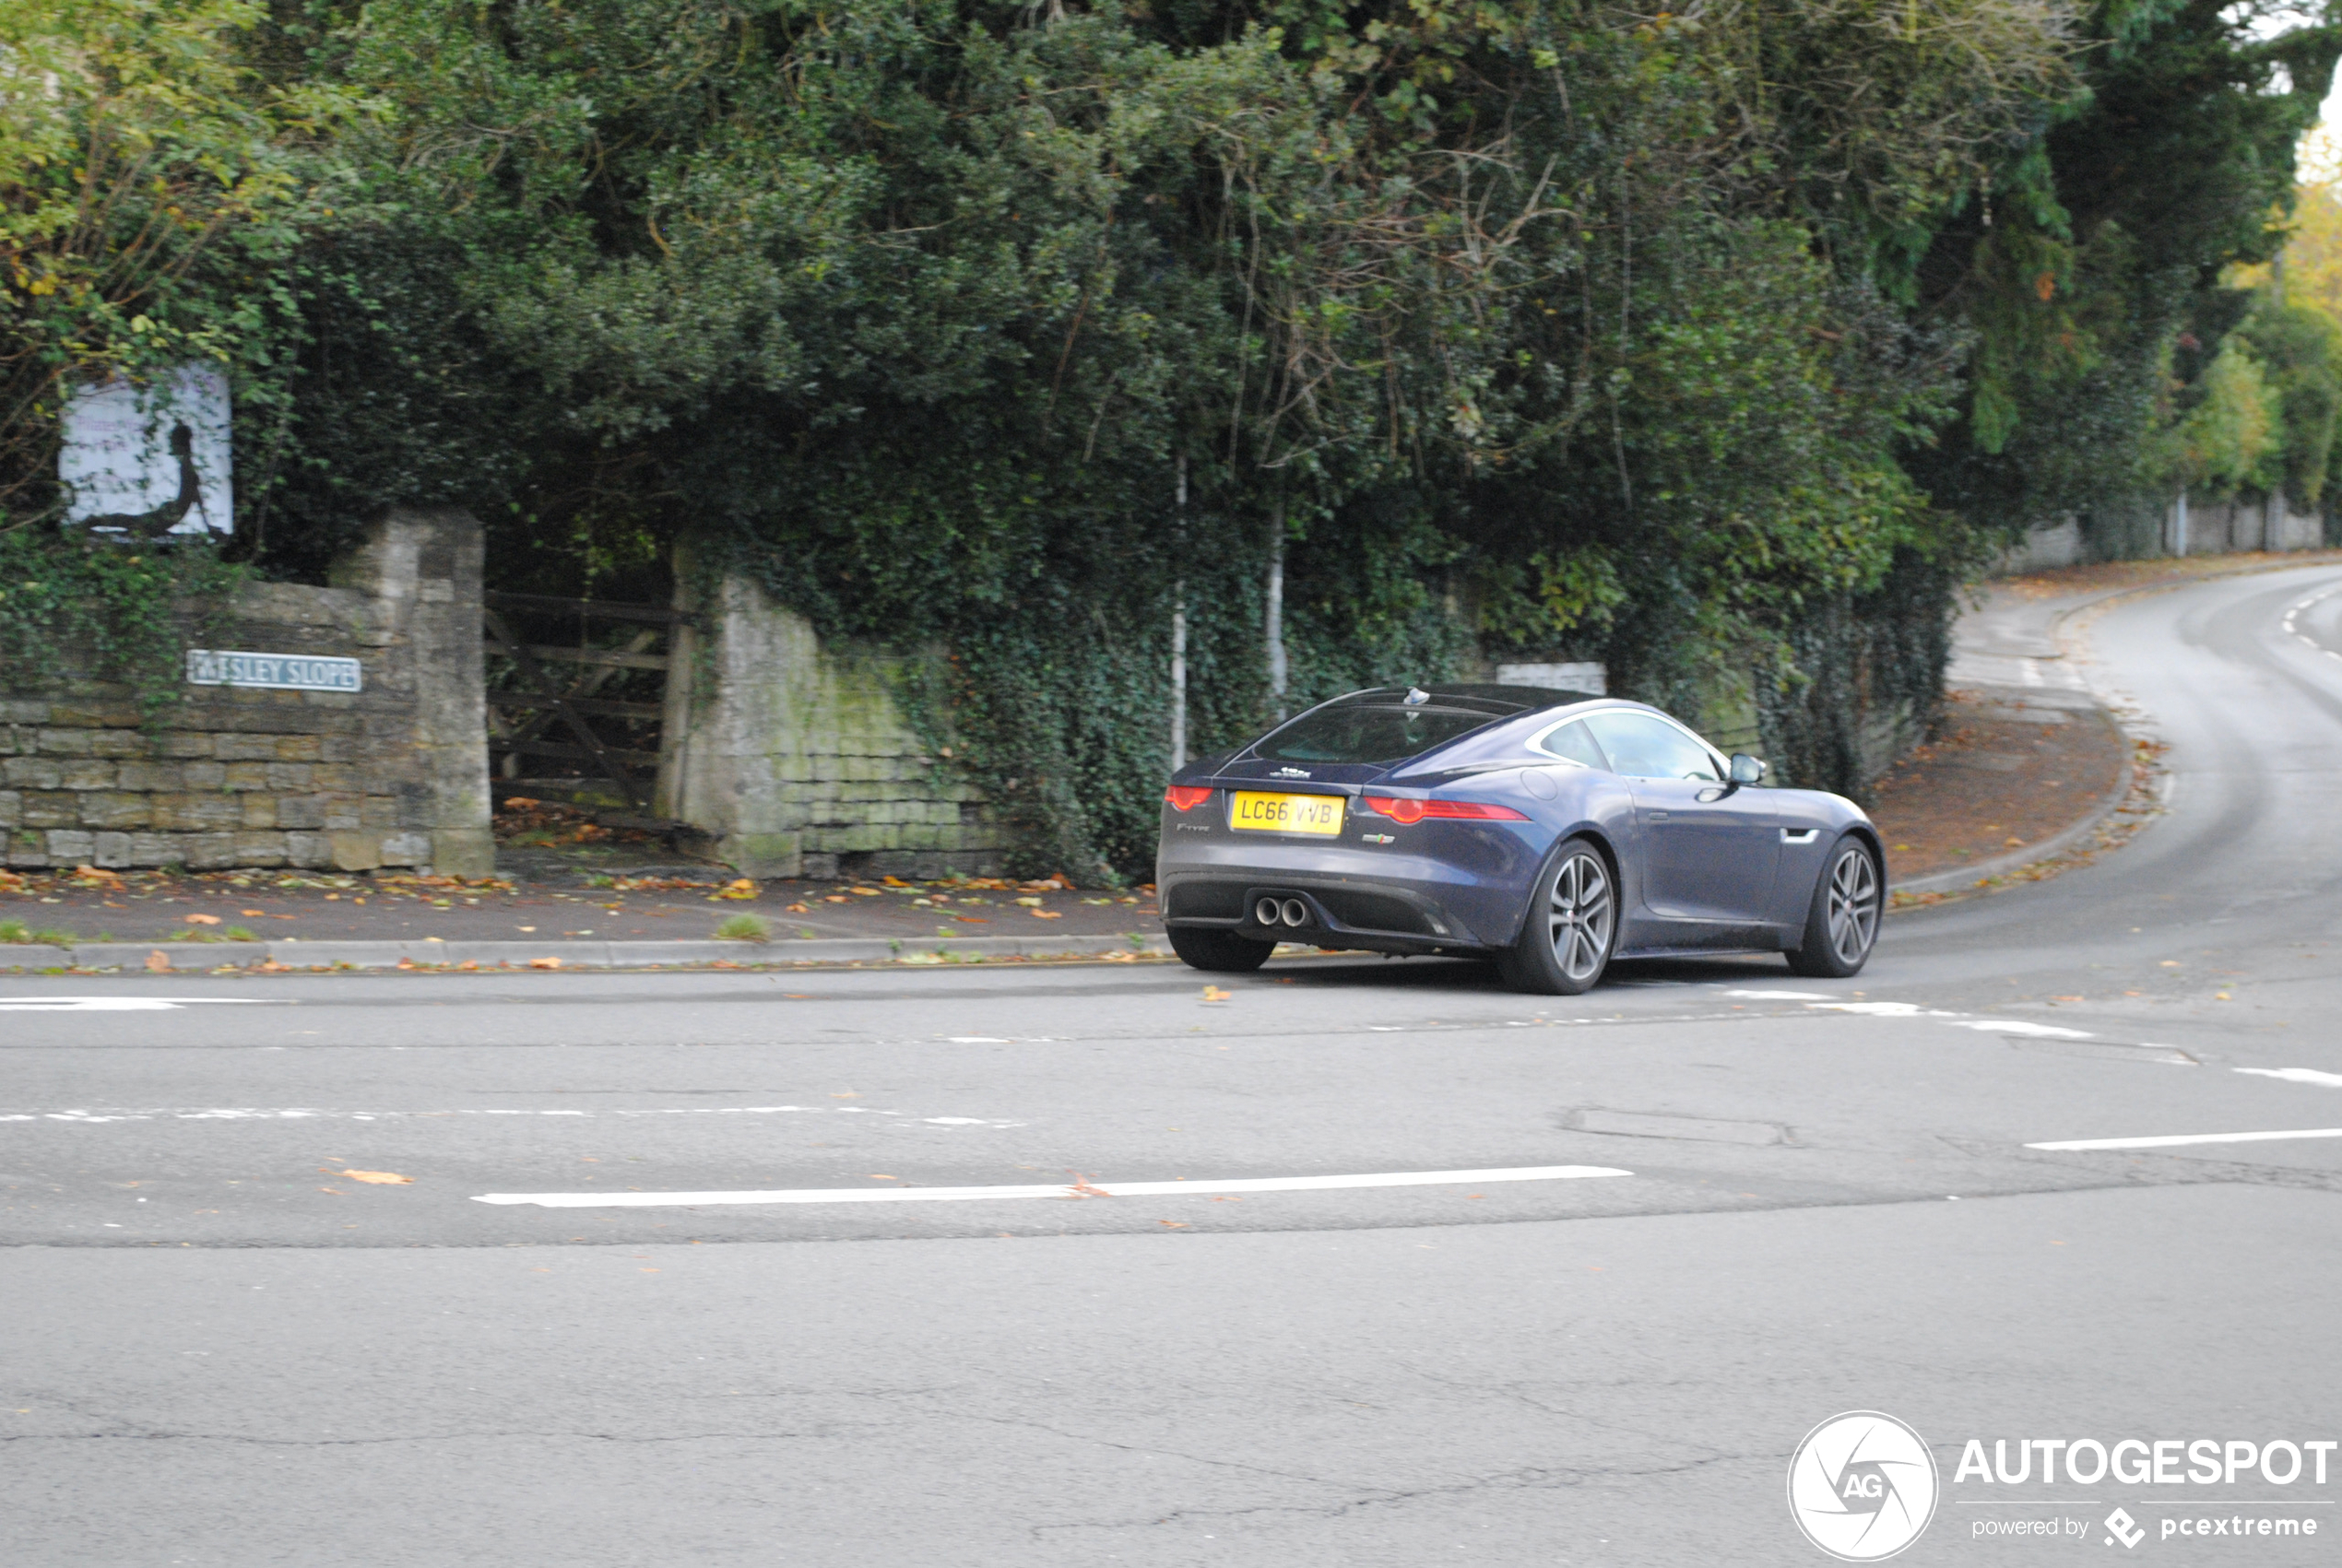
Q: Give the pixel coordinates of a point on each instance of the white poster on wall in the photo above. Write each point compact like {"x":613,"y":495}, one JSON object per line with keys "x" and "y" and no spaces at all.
{"x":152,"y":459}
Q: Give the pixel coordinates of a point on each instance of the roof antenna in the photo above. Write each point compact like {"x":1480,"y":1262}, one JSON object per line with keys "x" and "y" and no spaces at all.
{"x":1417,"y":696}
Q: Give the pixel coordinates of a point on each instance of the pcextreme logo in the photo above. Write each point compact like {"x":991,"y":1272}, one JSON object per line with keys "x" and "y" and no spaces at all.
{"x":1862,"y":1486}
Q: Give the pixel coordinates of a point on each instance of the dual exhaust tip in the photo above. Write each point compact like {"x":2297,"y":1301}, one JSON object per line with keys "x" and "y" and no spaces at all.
{"x":1281,"y":912}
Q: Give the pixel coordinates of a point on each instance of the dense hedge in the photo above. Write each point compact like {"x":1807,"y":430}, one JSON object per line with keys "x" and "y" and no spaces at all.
{"x":1716,"y":346}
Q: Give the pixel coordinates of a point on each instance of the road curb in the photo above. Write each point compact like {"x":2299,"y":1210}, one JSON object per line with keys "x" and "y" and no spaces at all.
{"x":1961,"y":878}
{"x":287,"y":956}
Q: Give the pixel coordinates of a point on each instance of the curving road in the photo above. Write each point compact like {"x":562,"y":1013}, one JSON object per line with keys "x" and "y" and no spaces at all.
{"x":1669,"y":1227}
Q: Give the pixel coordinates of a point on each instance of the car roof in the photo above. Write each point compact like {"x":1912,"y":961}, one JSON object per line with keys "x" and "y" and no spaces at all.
{"x":1487,"y":697}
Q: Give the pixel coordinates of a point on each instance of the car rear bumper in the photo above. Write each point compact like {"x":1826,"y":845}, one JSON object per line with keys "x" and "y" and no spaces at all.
{"x":1350,"y":898}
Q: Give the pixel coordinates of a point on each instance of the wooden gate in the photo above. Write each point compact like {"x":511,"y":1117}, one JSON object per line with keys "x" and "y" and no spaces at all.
{"x":593,"y":741}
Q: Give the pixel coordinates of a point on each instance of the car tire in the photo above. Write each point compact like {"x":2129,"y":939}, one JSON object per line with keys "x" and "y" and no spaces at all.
{"x":1222,"y":952}
{"x":1841,"y":923}
{"x":1572,"y":927}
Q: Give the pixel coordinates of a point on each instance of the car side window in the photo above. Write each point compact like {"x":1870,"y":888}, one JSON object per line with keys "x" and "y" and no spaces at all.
{"x":1574,"y":742}
{"x":1645,"y":747}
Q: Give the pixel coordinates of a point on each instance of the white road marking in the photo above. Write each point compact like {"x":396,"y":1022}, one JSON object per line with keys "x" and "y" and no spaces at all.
{"x":2018,"y":1026}
{"x":1062,"y":1190}
{"x":127,"y":1004}
{"x":2297,"y":1075}
{"x":2187,"y":1137}
{"x":1881,"y":1010}
{"x":2289,"y":623}
{"x":304,"y":1113}
{"x":1782,"y":996}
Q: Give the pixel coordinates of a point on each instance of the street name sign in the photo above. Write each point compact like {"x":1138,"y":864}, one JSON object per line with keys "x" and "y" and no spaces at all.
{"x":283,"y":672}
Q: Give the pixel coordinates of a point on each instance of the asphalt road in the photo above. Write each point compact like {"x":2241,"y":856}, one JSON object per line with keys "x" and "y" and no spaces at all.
{"x":1754,"y":1202}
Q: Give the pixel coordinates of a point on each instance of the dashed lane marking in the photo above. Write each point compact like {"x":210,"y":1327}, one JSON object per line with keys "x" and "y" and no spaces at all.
{"x":2297,"y":1075}
{"x":1084,"y":1189}
{"x":304,"y":1113}
{"x":2075,"y":1144}
{"x":130,"y":1003}
{"x":2292,"y":617}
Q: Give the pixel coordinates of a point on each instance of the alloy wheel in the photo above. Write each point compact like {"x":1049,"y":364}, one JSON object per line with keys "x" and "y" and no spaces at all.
{"x":1853,"y":905}
{"x":1579,"y":922}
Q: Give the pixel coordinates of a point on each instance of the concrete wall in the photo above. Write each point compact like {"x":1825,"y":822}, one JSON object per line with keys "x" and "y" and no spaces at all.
{"x":796,"y":760}
{"x":2052,"y":544}
{"x":2131,"y":532}
{"x":393,"y":774}
{"x":2246,"y":522}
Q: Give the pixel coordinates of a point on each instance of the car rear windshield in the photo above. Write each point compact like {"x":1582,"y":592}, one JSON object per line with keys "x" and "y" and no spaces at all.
{"x":1368,"y":734}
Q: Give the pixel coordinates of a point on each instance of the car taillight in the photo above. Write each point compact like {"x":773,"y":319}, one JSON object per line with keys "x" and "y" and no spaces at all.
{"x":1403,"y":810}
{"x":1187,"y":797}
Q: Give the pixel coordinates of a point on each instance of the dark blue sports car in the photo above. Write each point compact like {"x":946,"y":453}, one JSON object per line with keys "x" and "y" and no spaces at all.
{"x":1550,"y":830}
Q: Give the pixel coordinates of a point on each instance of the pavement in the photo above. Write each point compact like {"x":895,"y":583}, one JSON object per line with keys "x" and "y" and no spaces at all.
{"x":1346,"y":1262}
{"x":1970,"y":812}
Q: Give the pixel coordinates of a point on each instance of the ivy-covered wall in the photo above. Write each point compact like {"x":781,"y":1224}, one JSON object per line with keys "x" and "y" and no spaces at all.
{"x":394,"y":774}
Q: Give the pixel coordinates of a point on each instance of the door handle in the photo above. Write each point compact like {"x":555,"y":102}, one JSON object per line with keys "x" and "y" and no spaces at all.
{"x":1657,"y":816}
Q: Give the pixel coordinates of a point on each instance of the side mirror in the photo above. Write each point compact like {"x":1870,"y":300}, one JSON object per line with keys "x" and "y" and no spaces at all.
{"x":1747,"y":770}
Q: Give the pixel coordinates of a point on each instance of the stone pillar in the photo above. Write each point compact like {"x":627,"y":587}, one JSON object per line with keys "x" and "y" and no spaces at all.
{"x":421,"y":569}
{"x":735,"y":710}
{"x":797,"y":761}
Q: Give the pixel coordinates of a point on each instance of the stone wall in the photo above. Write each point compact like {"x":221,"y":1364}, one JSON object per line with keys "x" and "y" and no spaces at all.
{"x":796,"y":760}
{"x":393,"y":774}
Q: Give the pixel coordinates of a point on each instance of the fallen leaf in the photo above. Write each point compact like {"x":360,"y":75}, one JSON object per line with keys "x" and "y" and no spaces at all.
{"x":895,"y":882}
{"x":1214,"y":994}
{"x":800,"y":908}
{"x":1049,"y":914}
{"x":1081,"y":1187}
{"x":973,"y":919}
{"x":335,"y":1191}
{"x":201,"y":919}
{"x":158,"y":961}
{"x":879,"y":1177}
{"x":1030,"y":903}
{"x":871,"y":892}
{"x":252,"y":912}
{"x":376,"y":1178}
{"x":833,"y":898}
{"x":545,"y":963}
{"x":1174,"y":1224}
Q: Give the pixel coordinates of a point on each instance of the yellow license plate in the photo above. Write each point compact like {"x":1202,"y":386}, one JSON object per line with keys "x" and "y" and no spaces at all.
{"x":1319,"y":814}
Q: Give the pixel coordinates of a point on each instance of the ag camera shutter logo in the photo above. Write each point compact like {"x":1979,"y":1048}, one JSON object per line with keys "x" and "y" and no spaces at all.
{"x":1862,"y":1486}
